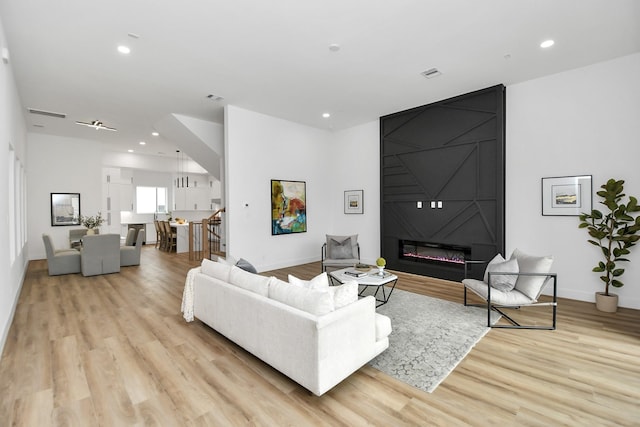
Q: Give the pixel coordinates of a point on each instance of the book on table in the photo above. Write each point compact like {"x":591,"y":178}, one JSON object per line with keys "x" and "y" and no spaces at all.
{"x":355,"y":273}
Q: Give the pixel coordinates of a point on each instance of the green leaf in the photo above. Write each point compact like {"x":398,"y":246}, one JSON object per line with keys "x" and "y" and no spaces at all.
{"x":598,"y":269}
{"x":617,"y":283}
{"x":605,"y":251}
{"x":605,"y":279}
{"x":618,"y":272}
{"x":596,"y":214}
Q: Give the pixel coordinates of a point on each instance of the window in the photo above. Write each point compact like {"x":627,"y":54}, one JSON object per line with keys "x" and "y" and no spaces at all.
{"x":151,"y":200}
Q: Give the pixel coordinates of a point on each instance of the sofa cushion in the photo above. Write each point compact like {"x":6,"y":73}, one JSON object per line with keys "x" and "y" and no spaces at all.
{"x":383,"y":326}
{"x":246,"y":266}
{"x":503,"y":282}
{"x":312,"y":301}
{"x":342,"y":247}
{"x":216,"y":269}
{"x":249,"y":281}
{"x":229,"y":260}
{"x":320,"y":282}
{"x":344,"y":294}
{"x":531,"y":285}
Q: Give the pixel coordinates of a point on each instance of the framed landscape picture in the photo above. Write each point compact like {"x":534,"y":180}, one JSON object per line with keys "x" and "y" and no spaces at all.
{"x":566,"y":195}
{"x":288,"y":207}
{"x":353,"y":202}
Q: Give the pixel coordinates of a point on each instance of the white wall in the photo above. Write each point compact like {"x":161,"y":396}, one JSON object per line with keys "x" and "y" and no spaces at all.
{"x":12,"y":134}
{"x":580,"y":122}
{"x":259,"y":148}
{"x":60,"y":165}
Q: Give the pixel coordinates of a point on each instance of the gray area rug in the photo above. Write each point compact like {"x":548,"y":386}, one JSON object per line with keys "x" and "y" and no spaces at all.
{"x":430,"y":337}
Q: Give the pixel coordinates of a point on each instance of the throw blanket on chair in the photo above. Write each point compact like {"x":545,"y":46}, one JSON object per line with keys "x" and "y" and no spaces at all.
{"x":187,"y":295}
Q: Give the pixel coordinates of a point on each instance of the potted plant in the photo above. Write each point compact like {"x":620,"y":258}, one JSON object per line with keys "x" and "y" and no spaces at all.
{"x":614,"y":232}
{"x":92,"y":222}
{"x":381,"y":263}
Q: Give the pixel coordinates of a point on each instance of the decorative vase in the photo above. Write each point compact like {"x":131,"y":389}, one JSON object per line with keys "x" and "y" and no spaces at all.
{"x":91,"y":231}
{"x":381,"y":270}
{"x":607,"y":303}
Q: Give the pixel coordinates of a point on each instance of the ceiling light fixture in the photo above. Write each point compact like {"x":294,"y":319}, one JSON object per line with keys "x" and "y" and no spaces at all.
{"x":47,"y":113}
{"x":155,"y":133}
{"x":334,"y":47}
{"x":97,"y":125}
{"x":142,"y":143}
{"x":547,"y":43}
{"x":124,"y":49}
{"x":130,"y":151}
{"x":214,"y":97}
{"x":326,"y":115}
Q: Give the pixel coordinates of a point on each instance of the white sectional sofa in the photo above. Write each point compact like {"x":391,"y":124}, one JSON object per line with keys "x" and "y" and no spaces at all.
{"x":294,"y":327}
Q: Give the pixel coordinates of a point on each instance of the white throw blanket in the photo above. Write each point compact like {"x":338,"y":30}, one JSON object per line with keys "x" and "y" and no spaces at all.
{"x":187,"y":295}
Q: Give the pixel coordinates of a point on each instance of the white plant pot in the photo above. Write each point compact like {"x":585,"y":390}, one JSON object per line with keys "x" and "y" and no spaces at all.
{"x":91,"y":231}
{"x":607,"y":303}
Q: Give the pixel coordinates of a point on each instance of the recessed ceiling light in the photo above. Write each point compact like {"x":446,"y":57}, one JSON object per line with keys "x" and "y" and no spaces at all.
{"x":130,"y":151}
{"x":124,"y":49}
{"x":155,"y":133}
{"x":431,"y":73}
{"x":142,"y":143}
{"x":334,"y":47}
{"x":547,"y":43}
{"x":326,"y":115}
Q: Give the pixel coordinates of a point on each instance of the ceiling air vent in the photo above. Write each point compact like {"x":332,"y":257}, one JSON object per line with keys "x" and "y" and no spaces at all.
{"x":431,"y":73}
{"x":47,"y":113}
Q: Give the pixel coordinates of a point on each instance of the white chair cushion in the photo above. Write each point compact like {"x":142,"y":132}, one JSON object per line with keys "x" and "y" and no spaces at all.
{"x":512,"y":297}
{"x":315,"y":302}
{"x":249,"y":281}
{"x":496,"y":259}
{"x":531,"y":286}
{"x":320,"y":282}
{"x":503,"y":282}
{"x":216,"y":269}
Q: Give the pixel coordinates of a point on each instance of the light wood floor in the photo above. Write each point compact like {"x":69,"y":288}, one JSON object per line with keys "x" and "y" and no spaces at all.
{"x":114,"y":350}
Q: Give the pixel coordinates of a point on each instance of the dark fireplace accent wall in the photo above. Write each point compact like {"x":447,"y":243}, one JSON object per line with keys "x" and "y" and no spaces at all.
{"x":442,"y":180}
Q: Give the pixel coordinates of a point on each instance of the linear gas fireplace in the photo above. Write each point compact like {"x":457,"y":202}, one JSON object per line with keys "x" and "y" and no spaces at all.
{"x":426,"y":252}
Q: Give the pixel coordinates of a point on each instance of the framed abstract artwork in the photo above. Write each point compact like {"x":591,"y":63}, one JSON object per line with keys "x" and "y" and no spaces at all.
{"x":288,"y":207}
{"x":65,"y":209}
{"x":566,"y":195}
{"x":353,"y":202}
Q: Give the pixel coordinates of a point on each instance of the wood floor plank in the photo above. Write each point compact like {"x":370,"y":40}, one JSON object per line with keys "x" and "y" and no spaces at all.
{"x":114,"y":350}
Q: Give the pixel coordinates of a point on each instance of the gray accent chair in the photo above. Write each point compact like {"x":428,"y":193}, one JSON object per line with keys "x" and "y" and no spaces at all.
{"x":340,"y":252}
{"x":100,"y":254}
{"x":131,"y":237}
{"x":60,"y":261}
{"x":130,"y":254}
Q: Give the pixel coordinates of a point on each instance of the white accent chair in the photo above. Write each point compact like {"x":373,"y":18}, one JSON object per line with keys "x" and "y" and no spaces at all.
{"x":100,"y":254}
{"x":514,"y":283}
{"x":340,"y":252}
{"x":130,"y":253}
{"x":60,"y":261}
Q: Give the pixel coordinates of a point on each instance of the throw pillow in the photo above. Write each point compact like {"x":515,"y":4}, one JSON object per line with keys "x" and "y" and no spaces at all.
{"x":215,"y":269}
{"x":344,"y":294}
{"x":320,"y":282}
{"x":496,"y":259}
{"x":531,"y":285}
{"x":315,"y":302}
{"x":503,"y":282}
{"x":342,"y":247}
{"x":249,"y":281}
{"x":228,"y":260}
{"x":246,"y":266}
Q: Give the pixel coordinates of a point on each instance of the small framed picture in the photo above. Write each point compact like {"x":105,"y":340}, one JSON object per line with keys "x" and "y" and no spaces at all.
{"x":566,"y":195}
{"x":353,"y":202}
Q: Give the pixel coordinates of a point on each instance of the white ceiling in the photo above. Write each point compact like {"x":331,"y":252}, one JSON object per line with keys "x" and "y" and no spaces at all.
{"x":273,"y":56}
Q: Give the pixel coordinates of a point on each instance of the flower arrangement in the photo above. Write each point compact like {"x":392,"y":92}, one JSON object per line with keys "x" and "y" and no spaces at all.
{"x":92,"y":222}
